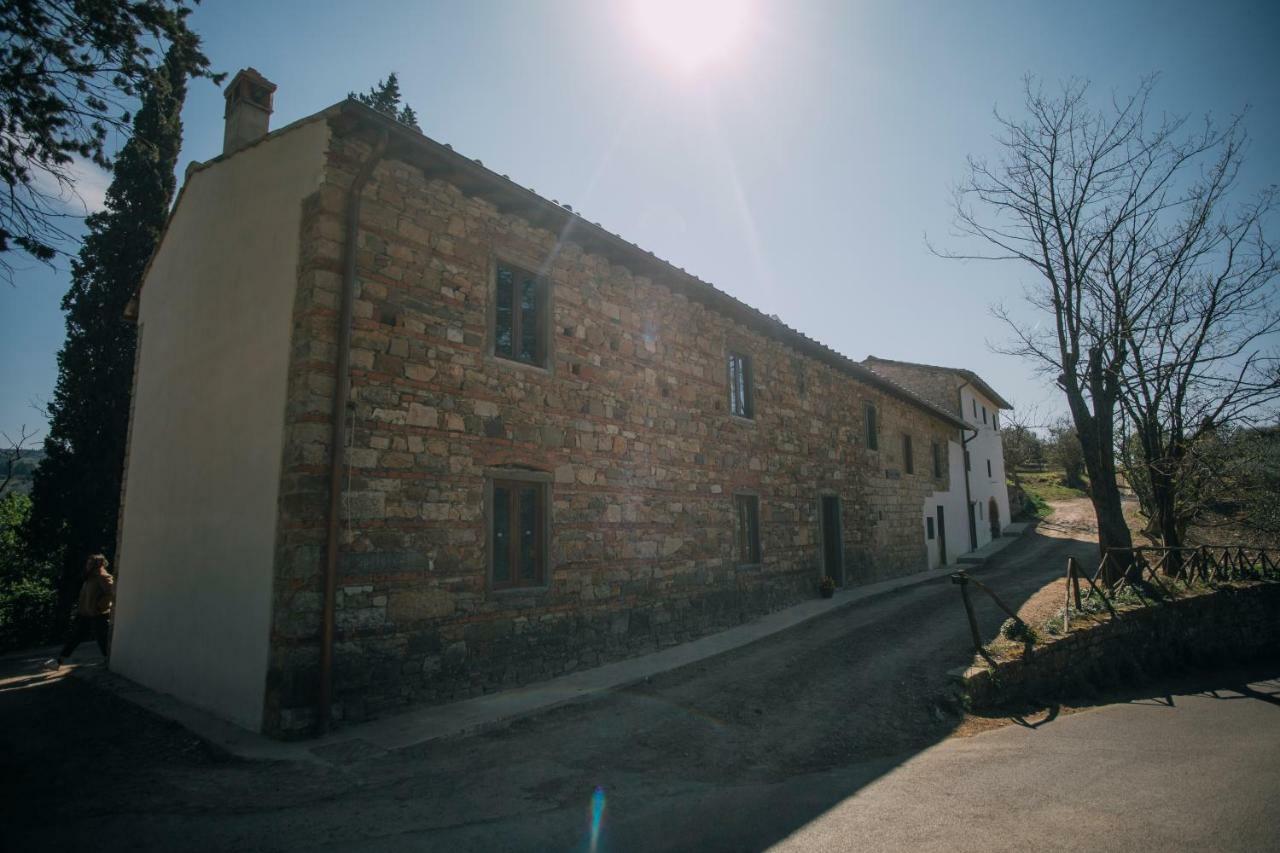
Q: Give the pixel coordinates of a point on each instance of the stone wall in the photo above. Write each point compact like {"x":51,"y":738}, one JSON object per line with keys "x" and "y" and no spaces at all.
{"x":1230,"y":624}
{"x":935,"y":385}
{"x":630,"y":421}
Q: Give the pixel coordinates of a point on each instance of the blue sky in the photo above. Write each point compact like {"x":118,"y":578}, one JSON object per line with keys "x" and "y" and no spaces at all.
{"x":800,"y":172}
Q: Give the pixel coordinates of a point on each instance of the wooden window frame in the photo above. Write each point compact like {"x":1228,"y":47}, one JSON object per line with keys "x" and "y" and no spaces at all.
{"x":746,"y":538}
{"x":748,"y":390}
{"x":515,"y":479}
{"x":871,"y":422}
{"x":908,"y":454}
{"x":543,"y":310}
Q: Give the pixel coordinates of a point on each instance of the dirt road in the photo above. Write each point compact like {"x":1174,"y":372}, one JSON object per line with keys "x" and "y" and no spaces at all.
{"x":696,"y":759}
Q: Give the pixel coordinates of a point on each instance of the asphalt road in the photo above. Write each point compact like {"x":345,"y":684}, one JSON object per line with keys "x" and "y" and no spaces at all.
{"x":1195,"y":769}
{"x":837,"y":734}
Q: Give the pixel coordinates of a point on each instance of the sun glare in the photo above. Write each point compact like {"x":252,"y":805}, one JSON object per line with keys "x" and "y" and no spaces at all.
{"x":691,"y":35}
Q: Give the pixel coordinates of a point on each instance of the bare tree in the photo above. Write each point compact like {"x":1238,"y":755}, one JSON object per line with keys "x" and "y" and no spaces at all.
{"x":1022,"y":447}
{"x":1082,"y":196}
{"x":1197,"y":295}
{"x":13,"y":451}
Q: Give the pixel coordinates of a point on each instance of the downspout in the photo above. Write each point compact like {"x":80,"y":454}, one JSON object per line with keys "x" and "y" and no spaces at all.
{"x":341,"y":394}
{"x":964,"y":452}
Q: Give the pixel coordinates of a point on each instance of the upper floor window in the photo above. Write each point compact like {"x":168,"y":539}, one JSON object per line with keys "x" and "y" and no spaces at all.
{"x":747,"y":509}
{"x":988,"y":467}
{"x":520,"y":315}
{"x":873,"y":429}
{"x":995,"y":421}
{"x":937,"y":461}
{"x":984,"y":414}
{"x":975,"y":408}
{"x":741,"y":396}
{"x":908,"y":458}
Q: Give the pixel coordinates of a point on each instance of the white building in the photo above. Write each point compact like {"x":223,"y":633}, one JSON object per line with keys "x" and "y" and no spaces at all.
{"x":976,"y":507}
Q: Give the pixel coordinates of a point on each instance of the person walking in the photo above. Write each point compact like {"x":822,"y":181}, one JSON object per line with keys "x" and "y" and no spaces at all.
{"x":93,"y":610}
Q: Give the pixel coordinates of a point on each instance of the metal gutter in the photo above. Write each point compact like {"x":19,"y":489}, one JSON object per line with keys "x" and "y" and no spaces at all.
{"x":341,"y":394}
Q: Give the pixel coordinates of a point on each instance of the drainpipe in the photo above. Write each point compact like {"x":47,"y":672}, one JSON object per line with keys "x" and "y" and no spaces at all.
{"x":338,"y":439}
{"x":968,"y":498}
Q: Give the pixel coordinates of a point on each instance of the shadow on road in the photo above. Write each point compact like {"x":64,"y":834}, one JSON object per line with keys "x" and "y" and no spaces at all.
{"x":734,"y":753}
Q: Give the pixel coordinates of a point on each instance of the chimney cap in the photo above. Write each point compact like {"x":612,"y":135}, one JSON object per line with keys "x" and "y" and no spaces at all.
{"x":249,"y":87}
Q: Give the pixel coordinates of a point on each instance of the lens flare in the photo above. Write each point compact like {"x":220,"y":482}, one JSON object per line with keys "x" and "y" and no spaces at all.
{"x":597,"y":815}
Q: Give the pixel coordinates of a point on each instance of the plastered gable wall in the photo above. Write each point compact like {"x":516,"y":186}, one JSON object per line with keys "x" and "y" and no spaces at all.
{"x":985,"y":446}
{"x":207,"y":430}
{"x":629,"y":421}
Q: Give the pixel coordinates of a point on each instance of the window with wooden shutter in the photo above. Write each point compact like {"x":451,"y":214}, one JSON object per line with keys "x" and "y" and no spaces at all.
{"x":741,"y":395}
{"x":517,"y":533}
{"x":519,"y":315}
{"x":747,"y":510}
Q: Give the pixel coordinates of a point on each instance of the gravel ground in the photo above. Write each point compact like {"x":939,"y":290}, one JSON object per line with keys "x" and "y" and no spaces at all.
{"x":865,"y":687}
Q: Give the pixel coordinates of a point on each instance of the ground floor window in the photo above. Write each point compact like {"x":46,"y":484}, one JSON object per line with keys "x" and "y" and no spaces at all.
{"x":747,"y":509}
{"x":518,"y":533}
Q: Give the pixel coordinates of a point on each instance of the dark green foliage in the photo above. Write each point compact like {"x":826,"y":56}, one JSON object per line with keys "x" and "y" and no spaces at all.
{"x":385,"y":98}
{"x":27,"y":598}
{"x":69,"y":71}
{"x":76,"y":492}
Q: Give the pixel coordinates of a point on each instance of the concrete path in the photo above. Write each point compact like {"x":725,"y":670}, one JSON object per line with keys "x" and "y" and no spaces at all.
{"x":1007,"y":536}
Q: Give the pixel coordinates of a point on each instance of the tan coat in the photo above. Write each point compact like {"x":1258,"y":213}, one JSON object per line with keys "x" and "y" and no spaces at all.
{"x":97,"y":594}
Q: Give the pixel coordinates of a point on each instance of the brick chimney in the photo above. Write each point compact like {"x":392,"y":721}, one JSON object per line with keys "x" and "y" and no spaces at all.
{"x":248,"y":113}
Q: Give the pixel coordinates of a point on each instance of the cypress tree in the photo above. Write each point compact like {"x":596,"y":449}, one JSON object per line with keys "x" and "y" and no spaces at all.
{"x":385,"y":98}
{"x":76,"y":492}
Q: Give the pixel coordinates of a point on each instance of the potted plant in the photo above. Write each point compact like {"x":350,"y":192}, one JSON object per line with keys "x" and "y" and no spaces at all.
{"x":827,"y":586}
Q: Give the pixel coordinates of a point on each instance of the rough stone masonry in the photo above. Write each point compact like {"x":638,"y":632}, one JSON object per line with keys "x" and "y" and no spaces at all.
{"x":629,"y":422}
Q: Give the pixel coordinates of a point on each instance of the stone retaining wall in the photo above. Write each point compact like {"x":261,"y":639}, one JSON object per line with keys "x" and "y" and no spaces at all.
{"x":1229,"y":625}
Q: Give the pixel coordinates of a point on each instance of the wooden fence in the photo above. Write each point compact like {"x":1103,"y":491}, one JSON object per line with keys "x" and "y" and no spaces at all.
{"x":1151,"y":568}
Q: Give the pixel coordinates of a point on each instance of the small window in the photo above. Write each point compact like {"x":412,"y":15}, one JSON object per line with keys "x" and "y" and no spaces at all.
{"x":873,"y":430}
{"x":928,"y":523}
{"x":908,"y":458}
{"x":741,"y":396}
{"x":967,"y":466}
{"x":988,"y":467}
{"x":519,"y":316}
{"x":937,"y":461}
{"x":975,"y":408}
{"x":995,"y":421}
{"x":518,"y":533}
{"x":984,"y":414}
{"x":748,"y":528}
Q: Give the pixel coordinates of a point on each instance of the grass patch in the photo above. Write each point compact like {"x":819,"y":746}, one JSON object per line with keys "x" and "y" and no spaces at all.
{"x":1045,"y":486}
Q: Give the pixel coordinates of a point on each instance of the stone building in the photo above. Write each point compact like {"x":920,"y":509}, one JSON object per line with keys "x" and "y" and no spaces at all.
{"x":553,"y":448}
{"x":975,"y":506}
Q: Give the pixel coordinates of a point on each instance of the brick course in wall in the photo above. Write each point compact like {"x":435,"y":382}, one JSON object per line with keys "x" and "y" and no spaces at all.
{"x":629,"y":420}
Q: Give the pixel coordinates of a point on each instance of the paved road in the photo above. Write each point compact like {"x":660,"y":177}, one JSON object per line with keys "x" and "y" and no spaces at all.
{"x":1196,"y":769}
{"x":738,"y":753}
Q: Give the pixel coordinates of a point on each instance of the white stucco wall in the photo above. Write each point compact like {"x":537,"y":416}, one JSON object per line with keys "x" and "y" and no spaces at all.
{"x":952,"y":502}
{"x":206,"y":437}
{"x":986,"y":445}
